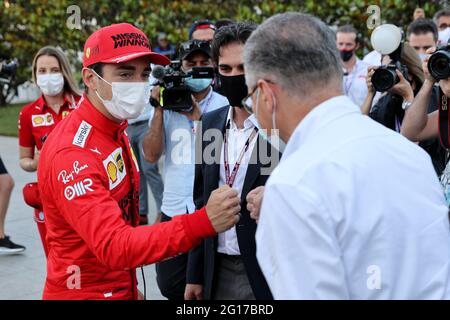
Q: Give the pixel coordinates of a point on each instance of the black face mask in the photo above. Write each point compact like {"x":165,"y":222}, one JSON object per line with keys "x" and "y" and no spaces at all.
{"x":234,"y":88}
{"x":346,"y":55}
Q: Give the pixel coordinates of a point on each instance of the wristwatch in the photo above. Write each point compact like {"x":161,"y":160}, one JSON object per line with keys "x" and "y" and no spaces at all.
{"x":406,"y":104}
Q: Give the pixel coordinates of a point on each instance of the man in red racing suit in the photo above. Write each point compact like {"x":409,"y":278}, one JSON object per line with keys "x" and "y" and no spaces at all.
{"x":89,"y":181}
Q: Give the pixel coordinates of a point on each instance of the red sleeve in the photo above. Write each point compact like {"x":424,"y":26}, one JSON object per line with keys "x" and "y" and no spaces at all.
{"x":26,"y":138}
{"x":97,"y":218}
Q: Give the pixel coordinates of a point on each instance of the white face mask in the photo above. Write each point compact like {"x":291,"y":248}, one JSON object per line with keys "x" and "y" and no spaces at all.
{"x":129,"y":99}
{"x":444,"y":35}
{"x":50,"y":84}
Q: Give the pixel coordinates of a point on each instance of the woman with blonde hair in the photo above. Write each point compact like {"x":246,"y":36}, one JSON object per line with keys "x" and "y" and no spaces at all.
{"x":51,"y":72}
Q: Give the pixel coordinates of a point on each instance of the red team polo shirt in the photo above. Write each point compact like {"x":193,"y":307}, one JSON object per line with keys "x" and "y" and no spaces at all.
{"x":37,"y":120}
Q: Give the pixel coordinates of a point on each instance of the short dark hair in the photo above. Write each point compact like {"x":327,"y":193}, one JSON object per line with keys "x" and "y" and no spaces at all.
{"x":223,"y":22}
{"x":423,"y":26}
{"x":98,"y":68}
{"x":348,"y":28}
{"x":439,"y":14}
{"x":236,"y":32}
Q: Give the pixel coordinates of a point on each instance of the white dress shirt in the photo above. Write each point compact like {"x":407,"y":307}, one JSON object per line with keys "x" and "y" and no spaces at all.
{"x":353,"y":211}
{"x":373,"y":58}
{"x":228,"y":242}
{"x":355,"y":86}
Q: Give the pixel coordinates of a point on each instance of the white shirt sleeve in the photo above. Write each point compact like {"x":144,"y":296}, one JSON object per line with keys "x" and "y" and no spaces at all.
{"x":297,"y":247}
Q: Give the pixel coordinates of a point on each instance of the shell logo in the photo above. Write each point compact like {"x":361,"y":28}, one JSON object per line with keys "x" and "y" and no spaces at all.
{"x":112,"y":171}
{"x":38,"y":120}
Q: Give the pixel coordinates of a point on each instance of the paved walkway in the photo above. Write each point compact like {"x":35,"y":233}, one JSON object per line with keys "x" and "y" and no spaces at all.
{"x":22,"y":276}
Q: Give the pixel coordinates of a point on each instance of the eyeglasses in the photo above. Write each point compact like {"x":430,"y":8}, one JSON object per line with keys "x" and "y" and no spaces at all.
{"x":247,"y":102}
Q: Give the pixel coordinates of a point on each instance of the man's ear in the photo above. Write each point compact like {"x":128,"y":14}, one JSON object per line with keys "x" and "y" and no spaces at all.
{"x":89,"y":79}
{"x":267,"y":96}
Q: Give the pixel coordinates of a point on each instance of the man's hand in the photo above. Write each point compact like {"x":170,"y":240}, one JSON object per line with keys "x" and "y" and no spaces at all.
{"x":254,"y":200}
{"x":193,"y":292}
{"x":195,"y":114}
{"x":223,"y":207}
{"x":428,"y":76}
{"x":370,"y":72}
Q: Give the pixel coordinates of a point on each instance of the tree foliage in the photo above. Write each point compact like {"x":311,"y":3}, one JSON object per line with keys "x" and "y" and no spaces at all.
{"x":26,"y":26}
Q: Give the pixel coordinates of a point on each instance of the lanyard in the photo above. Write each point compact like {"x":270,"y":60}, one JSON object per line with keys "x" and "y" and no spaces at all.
{"x":230,"y":178}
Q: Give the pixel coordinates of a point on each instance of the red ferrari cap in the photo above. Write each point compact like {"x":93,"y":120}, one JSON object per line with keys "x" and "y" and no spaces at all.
{"x":119,"y":43}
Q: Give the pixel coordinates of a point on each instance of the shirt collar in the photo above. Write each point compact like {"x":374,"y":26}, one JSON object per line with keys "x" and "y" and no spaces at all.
{"x":317,"y":119}
{"x":69,"y":101}
{"x":249,"y":123}
{"x":98,"y":120}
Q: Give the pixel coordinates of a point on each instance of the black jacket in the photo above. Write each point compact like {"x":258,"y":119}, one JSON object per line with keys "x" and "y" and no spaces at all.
{"x":201,"y":260}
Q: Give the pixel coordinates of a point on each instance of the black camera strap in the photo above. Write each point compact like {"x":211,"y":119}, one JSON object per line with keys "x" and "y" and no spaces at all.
{"x":443,"y":120}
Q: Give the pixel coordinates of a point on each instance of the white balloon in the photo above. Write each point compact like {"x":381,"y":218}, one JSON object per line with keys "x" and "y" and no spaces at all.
{"x":386,"y":38}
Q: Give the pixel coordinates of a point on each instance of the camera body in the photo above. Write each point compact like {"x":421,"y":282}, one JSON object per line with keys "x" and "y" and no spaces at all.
{"x":385,"y":77}
{"x":175,"y":94}
{"x":7,"y":71}
{"x":439,"y":63}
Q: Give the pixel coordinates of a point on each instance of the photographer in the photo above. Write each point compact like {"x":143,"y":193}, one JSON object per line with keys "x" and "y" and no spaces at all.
{"x":422,"y":35}
{"x":390,"y":109}
{"x":419,"y":124}
{"x":170,"y":132}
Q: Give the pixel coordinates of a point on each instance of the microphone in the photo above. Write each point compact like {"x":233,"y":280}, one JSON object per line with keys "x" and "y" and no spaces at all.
{"x":158,"y":72}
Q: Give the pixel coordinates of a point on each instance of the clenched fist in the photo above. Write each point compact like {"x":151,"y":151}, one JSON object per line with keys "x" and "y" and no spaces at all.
{"x":254,"y":199}
{"x":223,"y":208}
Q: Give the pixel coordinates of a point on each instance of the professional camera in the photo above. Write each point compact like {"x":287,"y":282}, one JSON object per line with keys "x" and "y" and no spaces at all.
{"x":385,"y":77}
{"x":7,"y":71}
{"x":175,"y":94}
{"x":387,"y":40}
{"x":439,"y":63}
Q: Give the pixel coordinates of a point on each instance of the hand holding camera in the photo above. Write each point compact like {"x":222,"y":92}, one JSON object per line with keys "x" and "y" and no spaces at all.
{"x":175,"y":90}
{"x":370,"y":88}
{"x":403,"y":88}
{"x":195,"y":113}
{"x":428,"y":76}
{"x":387,"y":40}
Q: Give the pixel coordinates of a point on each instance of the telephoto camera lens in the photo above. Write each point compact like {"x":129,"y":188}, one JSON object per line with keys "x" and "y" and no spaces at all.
{"x":439,"y":65}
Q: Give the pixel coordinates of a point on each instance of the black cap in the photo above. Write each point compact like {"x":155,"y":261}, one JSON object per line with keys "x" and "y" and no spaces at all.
{"x":191,"y":46}
{"x":201,"y":24}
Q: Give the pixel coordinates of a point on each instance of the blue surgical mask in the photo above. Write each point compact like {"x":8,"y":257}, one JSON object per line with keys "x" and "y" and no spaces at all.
{"x":197,"y":85}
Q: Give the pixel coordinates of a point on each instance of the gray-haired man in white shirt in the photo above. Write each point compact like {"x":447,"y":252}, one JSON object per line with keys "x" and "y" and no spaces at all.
{"x":354,"y":210}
